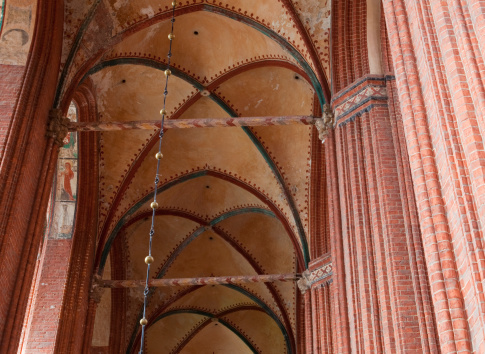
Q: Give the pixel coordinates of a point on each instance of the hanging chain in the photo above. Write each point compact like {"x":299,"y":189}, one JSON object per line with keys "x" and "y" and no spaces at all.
{"x":154,"y":205}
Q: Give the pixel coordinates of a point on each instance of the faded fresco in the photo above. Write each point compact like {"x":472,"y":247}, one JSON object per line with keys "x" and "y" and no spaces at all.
{"x":66,"y":182}
{"x":16,"y":32}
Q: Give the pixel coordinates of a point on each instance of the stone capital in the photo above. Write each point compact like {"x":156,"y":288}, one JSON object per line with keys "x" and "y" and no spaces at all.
{"x":324,"y":124}
{"x":57,"y":127}
{"x":304,"y":283}
{"x":97,"y":290}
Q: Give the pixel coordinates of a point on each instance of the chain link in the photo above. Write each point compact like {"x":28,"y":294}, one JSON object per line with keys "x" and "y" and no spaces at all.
{"x":149,"y":259}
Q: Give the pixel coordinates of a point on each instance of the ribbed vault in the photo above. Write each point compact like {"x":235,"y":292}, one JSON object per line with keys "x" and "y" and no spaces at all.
{"x":233,"y":201}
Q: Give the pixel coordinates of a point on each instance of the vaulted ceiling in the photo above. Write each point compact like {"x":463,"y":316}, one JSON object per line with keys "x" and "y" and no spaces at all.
{"x":233,"y":201}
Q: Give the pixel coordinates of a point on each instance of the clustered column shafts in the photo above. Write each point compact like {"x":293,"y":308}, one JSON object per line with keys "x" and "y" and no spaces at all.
{"x":154,"y":205}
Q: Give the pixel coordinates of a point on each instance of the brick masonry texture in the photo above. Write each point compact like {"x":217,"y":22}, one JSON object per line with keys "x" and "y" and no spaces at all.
{"x":50,"y":290}
{"x":10,"y":84}
{"x":379,"y":239}
{"x":26,"y":174}
{"x":439,"y":66}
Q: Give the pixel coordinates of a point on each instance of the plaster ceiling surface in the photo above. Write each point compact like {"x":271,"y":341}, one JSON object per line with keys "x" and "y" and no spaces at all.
{"x":214,"y":149}
{"x":206,"y":252}
{"x":214,"y":300}
{"x":229,"y":341}
{"x":165,"y":334}
{"x":264,"y":336}
{"x":316,"y":18}
{"x":200,"y":32}
{"x":302,"y":28}
{"x":232,"y":201}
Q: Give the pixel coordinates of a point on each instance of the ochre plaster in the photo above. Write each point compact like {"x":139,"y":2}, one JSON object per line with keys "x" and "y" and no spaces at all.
{"x":164,"y":335}
{"x":247,"y":73}
{"x":225,"y":342}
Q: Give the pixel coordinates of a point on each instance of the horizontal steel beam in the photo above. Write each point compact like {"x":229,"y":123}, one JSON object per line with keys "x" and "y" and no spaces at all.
{"x":160,"y":283}
{"x":192,"y":123}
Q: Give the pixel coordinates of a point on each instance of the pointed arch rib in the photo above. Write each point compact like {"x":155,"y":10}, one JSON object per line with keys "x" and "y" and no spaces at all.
{"x":153,"y":63}
{"x":225,"y":237}
{"x":318,"y":81}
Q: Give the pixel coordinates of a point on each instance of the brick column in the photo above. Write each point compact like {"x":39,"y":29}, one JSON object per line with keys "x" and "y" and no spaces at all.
{"x":327,"y":313}
{"x":315,"y":286}
{"x":47,"y":300}
{"x":49,"y":288}
{"x":66,"y":241}
{"x":9,"y":90}
{"x":301,"y":327}
{"x":26,"y":172}
{"x":387,"y":295}
{"x":77,"y":305}
{"x":315,"y":320}
{"x":119,"y":301}
{"x":340,"y":320}
{"x":439,"y":63}
{"x":308,"y":322}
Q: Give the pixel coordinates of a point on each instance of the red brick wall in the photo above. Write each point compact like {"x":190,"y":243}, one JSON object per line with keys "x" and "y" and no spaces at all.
{"x":48,"y":299}
{"x":410,"y":216}
{"x":324,"y":302}
{"x":319,"y":236}
{"x":300,"y":323}
{"x":31,"y":304}
{"x":350,"y":60}
{"x":10,"y":83}
{"x":308,"y":322}
{"x":340,"y":318}
{"x":438,"y":60}
{"x":377,"y":250}
{"x":319,"y":308}
{"x":26,"y":172}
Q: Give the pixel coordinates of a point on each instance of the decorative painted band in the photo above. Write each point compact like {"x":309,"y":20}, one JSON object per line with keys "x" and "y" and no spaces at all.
{"x":359,"y":97}
{"x":367,"y":78}
{"x":365,"y":107}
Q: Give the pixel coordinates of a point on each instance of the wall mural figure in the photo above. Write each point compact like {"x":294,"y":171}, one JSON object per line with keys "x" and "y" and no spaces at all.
{"x":65,"y":191}
{"x":67,"y":175}
{"x":69,"y":149}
